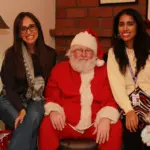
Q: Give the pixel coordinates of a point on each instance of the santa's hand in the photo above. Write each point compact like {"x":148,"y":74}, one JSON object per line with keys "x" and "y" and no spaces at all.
{"x":102,"y":129}
{"x":145,"y":135}
{"x":58,"y":120}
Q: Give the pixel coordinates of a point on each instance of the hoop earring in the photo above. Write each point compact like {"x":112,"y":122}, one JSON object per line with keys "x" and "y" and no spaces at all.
{"x":117,"y":36}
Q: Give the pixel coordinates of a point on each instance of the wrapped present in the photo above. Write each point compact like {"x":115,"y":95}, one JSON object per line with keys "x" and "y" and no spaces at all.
{"x":5,"y":136}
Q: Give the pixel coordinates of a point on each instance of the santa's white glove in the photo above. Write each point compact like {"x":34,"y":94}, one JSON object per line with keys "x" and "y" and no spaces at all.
{"x":145,"y":134}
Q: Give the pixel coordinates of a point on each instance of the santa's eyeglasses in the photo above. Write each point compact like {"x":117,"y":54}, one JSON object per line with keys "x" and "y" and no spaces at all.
{"x":83,"y":51}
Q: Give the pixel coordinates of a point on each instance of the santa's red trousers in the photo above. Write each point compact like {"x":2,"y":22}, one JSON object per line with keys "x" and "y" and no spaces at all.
{"x":49,"y":137}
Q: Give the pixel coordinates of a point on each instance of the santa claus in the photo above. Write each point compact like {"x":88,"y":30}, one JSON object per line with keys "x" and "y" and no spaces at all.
{"x":79,"y":102}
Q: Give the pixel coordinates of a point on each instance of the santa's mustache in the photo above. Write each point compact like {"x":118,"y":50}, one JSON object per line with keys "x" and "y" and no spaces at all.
{"x":82,"y":64}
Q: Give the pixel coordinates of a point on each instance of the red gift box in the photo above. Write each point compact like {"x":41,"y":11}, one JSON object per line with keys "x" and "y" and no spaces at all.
{"x":5,"y":136}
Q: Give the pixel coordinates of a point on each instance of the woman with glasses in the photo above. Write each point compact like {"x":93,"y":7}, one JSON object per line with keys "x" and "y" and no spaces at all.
{"x":25,"y":70}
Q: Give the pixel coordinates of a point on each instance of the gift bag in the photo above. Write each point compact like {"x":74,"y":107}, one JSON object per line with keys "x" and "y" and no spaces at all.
{"x":143,"y":108}
{"x":5,"y":136}
{"x":141,"y":105}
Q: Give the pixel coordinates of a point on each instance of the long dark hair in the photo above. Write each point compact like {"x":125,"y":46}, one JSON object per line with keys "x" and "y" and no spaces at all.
{"x":40,"y":46}
{"x":141,"y":43}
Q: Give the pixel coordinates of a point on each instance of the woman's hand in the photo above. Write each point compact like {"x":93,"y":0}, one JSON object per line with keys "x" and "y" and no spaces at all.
{"x":58,"y":120}
{"x":20,"y":117}
{"x":132,"y":121}
{"x":102,"y":129}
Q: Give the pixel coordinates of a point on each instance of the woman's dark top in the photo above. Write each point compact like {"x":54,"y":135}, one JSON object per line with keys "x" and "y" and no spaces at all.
{"x":15,"y":86}
{"x":36,"y":65}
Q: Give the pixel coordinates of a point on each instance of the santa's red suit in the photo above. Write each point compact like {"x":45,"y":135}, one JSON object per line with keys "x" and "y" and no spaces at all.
{"x":84,"y":98}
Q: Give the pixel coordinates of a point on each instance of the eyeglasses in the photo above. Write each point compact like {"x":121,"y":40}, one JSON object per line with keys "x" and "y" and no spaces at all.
{"x":81,"y":51}
{"x":31,"y":27}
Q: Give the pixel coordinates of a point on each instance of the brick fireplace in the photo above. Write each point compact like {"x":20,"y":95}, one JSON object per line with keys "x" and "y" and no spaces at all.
{"x":73,"y":16}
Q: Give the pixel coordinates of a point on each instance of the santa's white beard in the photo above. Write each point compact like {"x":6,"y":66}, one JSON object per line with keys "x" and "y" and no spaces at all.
{"x":82,"y":65}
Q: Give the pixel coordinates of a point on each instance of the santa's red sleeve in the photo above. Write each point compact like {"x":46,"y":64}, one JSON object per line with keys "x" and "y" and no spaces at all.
{"x":52,"y":94}
{"x":109,"y":106}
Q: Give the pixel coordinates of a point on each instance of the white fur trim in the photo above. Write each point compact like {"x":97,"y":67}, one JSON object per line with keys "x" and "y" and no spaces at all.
{"x":74,"y":128}
{"x":99,"y":62}
{"x":145,"y":135}
{"x":86,"y":101}
{"x":85,"y":39}
{"x":107,"y":112}
{"x":50,"y":106}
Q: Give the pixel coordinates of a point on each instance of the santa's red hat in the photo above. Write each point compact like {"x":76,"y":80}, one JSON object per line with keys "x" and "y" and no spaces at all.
{"x":89,"y":39}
